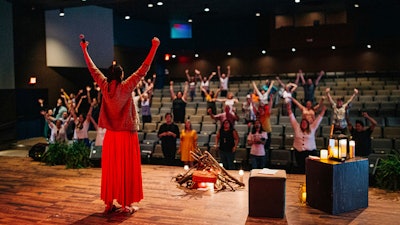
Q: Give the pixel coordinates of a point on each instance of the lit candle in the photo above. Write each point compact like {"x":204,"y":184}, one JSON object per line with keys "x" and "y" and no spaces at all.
{"x":202,"y":185}
{"x":241,"y":173}
{"x":210,"y":187}
{"x":324,"y":154}
{"x":331,"y":146}
{"x":335,"y":152}
{"x":343,"y":148}
{"x":304,"y":197}
{"x":352,"y":145}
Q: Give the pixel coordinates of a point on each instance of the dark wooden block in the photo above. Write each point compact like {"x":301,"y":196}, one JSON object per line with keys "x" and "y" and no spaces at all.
{"x":267,"y":194}
{"x":337,"y":187}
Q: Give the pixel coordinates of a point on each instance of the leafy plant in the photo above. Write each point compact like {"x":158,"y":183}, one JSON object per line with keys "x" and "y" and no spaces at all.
{"x":77,"y":156}
{"x":388,"y":172}
{"x":73,"y":156}
{"x":55,"y":155}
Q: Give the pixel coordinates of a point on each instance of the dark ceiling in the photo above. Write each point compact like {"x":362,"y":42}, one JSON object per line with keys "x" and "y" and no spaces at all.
{"x":183,"y":9}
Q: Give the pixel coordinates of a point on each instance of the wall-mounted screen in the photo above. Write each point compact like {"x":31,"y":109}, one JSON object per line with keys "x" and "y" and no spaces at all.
{"x":180,"y":30}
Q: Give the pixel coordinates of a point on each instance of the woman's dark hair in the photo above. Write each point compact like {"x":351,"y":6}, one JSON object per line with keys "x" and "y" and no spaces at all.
{"x":115,"y":72}
{"x":254,"y":130}
{"x":307,"y":130}
{"x":230,"y":125}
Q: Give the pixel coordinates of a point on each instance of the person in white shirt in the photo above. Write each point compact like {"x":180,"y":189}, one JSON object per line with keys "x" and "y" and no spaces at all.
{"x":223,"y":80}
{"x":256,"y":139}
{"x":205,"y":82}
{"x":58,"y":129}
{"x":82,"y":126}
{"x":304,"y":136}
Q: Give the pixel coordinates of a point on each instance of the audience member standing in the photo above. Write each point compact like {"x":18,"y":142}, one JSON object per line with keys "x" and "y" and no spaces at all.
{"x":340,"y":111}
{"x":192,"y":81}
{"x":81,"y":126}
{"x":304,"y":137}
{"x":227,"y":140}
{"x":263,"y":113}
{"x":248,"y":110}
{"x":205,"y":82}
{"x":145,"y":100}
{"x":211,"y":98}
{"x":362,"y":135}
{"x":59,"y":109}
{"x":188,"y":143}
{"x":224,"y":80}
{"x":58,"y":129}
{"x":178,"y":102}
{"x":308,"y":111}
{"x":256,"y":139}
{"x":310,"y":86}
{"x":226,"y":115}
{"x":168,"y":134}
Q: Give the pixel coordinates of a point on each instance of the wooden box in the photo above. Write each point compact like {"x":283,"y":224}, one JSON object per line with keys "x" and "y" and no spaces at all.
{"x":267,"y":194}
{"x":337,"y":187}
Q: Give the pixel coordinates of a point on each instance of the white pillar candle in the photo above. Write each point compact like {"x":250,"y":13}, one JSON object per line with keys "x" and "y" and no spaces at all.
{"x":331,"y":146}
{"x":335,"y":152}
{"x":324,"y":154}
{"x":343,"y":148}
{"x":352,"y":150}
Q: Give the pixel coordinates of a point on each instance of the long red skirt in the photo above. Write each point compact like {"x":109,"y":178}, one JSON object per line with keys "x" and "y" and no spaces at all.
{"x":121,"y":176}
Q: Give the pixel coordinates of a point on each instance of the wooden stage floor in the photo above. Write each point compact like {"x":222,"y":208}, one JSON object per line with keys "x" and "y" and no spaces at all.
{"x":33,"y":193}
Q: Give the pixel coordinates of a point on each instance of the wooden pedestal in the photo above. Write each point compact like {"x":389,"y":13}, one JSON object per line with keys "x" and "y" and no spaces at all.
{"x":337,"y":187}
{"x":267,"y":194}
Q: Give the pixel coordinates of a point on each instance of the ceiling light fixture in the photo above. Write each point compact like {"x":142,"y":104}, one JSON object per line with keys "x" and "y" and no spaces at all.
{"x":229,"y":53}
{"x":293,"y":49}
{"x":61,"y":14}
{"x":160,"y":3}
{"x":127,"y":17}
{"x":206,"y":8}
{"x":297,"y":1}
{"x":333,"y":47}
{"x":369,"y":46}
{"x":196,"y":55}
{"x":190,"y":20}
{"x":264,"y":52}
{"x":356,"y":5}
{"x":150,"y":4}
{"x":258,"y":14}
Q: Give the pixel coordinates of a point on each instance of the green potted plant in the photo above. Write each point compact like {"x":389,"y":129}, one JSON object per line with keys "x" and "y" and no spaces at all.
{"x":77,"y":156}
{"x":55,"y":154}
{"x":388,"y":172}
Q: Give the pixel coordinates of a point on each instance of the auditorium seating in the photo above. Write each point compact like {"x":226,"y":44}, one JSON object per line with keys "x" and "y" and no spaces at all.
{"x":379,"y":95}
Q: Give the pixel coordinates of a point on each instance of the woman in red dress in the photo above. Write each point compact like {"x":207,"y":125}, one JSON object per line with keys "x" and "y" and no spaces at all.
{"x":121,"y":178}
